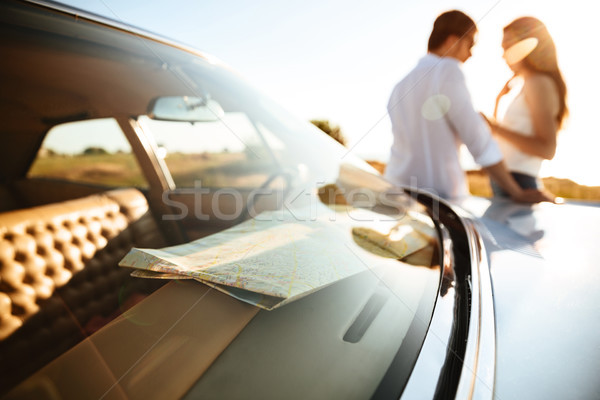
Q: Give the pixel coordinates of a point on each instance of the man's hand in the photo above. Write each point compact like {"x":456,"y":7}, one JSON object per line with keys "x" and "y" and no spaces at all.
{"x":535,"y":196}
{"x":500,"y":174}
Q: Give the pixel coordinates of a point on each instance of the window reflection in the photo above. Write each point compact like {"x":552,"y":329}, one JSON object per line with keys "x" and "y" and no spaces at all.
{"x":225,"y":153}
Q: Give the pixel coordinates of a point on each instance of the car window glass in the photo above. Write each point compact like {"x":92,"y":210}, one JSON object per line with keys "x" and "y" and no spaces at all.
{"x":90,"y":151}
{"x":230,"y":152}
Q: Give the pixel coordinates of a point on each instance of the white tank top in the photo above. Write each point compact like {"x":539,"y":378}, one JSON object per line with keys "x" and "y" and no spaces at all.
{"x":518,"y":119}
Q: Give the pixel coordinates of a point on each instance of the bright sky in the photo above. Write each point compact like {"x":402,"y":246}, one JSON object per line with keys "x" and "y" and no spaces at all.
{"x":339,"y":60}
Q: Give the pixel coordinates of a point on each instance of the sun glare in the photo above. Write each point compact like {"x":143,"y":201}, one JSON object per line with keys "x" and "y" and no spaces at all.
{"x":518,"y":51}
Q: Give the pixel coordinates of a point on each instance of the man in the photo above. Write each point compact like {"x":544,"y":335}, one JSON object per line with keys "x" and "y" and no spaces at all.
{"x":432,"y":114}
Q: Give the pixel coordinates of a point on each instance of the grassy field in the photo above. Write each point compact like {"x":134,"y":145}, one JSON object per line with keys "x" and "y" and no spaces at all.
{"x":119,"y":169}
{"x":479,"y":185}
{"x":239,"y":170}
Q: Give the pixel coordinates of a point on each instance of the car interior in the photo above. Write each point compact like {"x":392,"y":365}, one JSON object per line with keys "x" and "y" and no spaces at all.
{"x":63,"y":231}
{"x":60,"y":240}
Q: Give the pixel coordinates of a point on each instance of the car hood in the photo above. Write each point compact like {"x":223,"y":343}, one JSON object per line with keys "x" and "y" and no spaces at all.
{"x":543,"y":263}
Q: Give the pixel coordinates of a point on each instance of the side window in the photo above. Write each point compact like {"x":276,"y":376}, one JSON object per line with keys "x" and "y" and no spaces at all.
{"x":231,"y":152}
{"x":91,"y":151}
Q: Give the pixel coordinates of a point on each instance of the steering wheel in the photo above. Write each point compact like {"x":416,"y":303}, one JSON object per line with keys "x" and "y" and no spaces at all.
{"x":287,"y":173}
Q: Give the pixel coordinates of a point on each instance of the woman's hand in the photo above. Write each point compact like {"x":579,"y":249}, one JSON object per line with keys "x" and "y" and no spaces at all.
{"x":507,"y":87}
{"x":490,"y":121}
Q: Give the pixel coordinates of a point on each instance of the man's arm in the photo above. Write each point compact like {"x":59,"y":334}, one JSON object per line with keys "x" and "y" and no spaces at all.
{"x":475,"y":134}
{"x":467,"y":123}
{"x":500,"y":174}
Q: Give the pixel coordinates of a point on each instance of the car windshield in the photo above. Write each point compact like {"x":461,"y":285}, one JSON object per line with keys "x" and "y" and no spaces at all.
{"x":248,"y":141}
{"x":222,"y":166}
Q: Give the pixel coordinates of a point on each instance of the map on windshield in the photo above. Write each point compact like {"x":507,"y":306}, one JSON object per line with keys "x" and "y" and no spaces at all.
{"x":281,"y":256}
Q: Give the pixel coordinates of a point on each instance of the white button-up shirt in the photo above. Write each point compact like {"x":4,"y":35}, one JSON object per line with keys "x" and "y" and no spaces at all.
{"x":432,"y":115}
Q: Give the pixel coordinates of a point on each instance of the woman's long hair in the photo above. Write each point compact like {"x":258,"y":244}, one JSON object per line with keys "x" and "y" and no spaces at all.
{"x":543,"y":58}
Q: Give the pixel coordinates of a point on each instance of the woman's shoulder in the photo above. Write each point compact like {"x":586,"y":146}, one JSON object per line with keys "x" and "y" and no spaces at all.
{"x":541,"y":83}
{"x":542,"y":88}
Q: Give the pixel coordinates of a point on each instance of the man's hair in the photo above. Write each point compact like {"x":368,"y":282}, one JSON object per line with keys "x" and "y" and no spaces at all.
{"x":450,"y":23}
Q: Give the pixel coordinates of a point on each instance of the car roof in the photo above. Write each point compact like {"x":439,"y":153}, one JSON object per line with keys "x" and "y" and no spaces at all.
{"x":120,"y":25}
{"x":38,"y":39}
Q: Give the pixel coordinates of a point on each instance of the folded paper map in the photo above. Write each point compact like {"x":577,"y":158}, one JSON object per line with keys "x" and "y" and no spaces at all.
{"x":409,"y":235}
{"x":277,"y":257}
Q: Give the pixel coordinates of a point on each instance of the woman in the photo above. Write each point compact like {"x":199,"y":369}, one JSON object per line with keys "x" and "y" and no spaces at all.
{"x":527,"y":133}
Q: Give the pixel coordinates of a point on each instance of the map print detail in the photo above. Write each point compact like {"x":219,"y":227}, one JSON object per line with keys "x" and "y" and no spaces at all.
{"x":275,"y":258}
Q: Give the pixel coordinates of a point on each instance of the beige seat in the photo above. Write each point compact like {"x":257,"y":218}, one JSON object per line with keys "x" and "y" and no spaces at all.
{"x":59,"y":279}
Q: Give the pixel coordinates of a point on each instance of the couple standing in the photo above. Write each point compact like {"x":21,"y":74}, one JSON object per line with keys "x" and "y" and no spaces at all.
{"x":432,"y":114}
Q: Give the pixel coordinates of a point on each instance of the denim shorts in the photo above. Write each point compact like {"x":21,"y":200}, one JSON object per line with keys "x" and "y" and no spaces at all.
{"x":523,"y":180}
